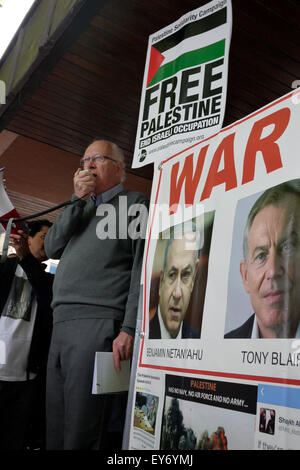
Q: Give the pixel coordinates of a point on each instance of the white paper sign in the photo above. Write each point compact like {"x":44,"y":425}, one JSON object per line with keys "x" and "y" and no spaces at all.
{"x":106,"y":378}
{"x":185,"y":81}
{"x":220,"y":371}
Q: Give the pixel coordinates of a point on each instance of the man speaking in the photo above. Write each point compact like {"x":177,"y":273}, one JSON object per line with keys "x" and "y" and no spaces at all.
{"x":95,"y":298}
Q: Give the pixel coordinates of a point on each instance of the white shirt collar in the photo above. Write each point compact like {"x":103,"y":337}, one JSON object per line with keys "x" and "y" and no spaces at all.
{"x":255,"y":330}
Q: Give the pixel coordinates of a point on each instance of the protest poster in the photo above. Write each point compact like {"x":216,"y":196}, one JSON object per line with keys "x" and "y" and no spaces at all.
{"x":218,"y":362}
{"x":185,"y":82}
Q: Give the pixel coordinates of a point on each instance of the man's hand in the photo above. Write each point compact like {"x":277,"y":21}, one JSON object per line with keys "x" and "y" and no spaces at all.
{"x":122,"y":348}
{"x":19,"y":242}
{"x":84,"y":183}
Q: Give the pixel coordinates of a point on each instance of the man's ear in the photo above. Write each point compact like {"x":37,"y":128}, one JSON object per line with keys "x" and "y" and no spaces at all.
{"x":196,"y":267}
{"x":120,"y":167}
{"x":161,"y":277}
{"x":244,"y":274}
{"x":195,"y":272}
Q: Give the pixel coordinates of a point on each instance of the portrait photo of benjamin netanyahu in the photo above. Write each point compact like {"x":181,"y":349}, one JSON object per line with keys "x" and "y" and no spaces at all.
{"x":269,"y":267}
{"x":178,"y":281}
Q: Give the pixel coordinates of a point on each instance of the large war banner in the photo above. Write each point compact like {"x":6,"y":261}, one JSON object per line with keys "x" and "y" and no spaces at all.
{"x":185,"y":82}
{"x":219,"y":360}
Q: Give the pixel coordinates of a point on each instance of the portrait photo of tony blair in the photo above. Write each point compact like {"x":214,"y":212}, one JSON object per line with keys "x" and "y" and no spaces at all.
{"x":265,"y":301}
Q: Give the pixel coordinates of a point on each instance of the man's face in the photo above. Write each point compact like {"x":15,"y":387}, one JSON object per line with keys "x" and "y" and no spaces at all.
{"x":176,"y":284}
{"x":36,"y":244}
{"x":272,"y":274}
{"x":108,"y":173}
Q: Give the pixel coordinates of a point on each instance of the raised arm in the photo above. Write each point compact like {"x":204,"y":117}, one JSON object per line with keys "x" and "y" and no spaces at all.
{"x":62,"y":230}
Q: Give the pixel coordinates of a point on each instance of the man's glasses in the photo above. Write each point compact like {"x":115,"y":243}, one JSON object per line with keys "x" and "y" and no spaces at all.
{"x":96,"y":158}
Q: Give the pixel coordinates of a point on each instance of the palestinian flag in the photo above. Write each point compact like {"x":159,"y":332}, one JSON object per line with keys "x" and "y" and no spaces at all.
{"x":168,"y":56}
{"x":7,"y":210}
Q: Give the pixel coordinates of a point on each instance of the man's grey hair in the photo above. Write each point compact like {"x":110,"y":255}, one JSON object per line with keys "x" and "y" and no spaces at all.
{"x":271,"y":197}
{"x":118,"y":153}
